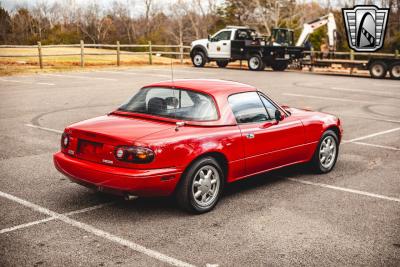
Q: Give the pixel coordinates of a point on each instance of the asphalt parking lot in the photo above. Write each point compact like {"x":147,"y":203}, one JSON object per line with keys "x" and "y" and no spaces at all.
{"x":350,"y":216}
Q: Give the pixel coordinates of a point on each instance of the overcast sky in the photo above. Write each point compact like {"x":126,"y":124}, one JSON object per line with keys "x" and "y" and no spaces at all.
{"x":139,"y":4}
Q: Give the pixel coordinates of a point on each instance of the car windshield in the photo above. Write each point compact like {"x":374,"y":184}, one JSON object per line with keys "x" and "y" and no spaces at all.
{"x":172,"y":103}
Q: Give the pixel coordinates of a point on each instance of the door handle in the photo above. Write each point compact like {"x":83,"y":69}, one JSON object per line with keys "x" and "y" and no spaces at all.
{"x":223,"y":43}
{"x":250,"y":136}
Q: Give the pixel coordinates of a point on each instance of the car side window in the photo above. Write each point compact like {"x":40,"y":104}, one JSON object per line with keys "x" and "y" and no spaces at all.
{"x":269,"y":106}
{"x":247,"y":107}
{"x":225,"y":35}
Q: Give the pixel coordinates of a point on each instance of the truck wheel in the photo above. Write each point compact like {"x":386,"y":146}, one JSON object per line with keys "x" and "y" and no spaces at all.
{"x":395,"y":71}
{"x":198,"y":59}
{"x":222,"y":63}
{"x":255,"y":63}
{"x":279,"y":66}
{"x":201,"y":186}
{"x":378,"y":69}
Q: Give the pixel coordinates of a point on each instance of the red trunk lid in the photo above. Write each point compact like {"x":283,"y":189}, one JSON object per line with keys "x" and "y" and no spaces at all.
{"x":96,"y":139}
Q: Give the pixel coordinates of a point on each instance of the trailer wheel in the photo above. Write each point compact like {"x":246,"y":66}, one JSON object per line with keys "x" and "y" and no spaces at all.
{"x":222,"y":63}
{"x":255,"y":63}
{"x":198,"y":59}
{"x":395,"y":71}
{"x":378,"y":69}
{"x":279,"y":66}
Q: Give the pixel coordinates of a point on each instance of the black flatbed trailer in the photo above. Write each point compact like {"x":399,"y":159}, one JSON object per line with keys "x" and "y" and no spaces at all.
{"x":378,"y":67}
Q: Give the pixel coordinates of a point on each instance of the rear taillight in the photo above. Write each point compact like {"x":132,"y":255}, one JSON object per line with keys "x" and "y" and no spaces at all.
{"x":64,"y":140}
{"x":134,"y":154}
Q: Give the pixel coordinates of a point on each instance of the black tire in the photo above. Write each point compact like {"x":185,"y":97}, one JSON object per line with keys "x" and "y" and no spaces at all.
{"x":222,"y":63}
{"x":199,"y":59}
{"x":185,"y":195}
{"x":279,"y":66}
{"x":315,"y":162}
{"x":378,"y":69}
{"x":395,"y":71}
{"x":255,"y":63}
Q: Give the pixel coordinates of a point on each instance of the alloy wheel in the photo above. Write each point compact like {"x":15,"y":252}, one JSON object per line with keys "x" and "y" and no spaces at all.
{"x":327,"y":152}
{"x":206,"y":185}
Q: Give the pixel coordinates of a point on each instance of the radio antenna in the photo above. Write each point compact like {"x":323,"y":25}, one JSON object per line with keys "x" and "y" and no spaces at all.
{"x":172,"y":72}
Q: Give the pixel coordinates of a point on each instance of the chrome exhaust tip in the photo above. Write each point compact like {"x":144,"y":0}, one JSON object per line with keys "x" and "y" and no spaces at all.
{"x":130,"y":197}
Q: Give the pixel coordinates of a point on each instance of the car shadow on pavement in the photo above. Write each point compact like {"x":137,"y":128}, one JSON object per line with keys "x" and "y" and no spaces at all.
{"x":265,"y":179}
{"x":162,"y":206}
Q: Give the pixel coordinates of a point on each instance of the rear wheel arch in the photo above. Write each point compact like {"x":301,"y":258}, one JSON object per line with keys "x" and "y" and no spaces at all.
{"x":218,"y":156}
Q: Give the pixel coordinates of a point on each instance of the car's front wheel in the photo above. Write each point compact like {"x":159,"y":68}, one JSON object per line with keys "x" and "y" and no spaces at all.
{"x":325,"y":156}
{"x":201,"y":186}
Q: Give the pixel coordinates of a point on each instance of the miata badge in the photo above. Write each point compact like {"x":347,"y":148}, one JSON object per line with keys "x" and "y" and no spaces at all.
{"x":365,"y":27}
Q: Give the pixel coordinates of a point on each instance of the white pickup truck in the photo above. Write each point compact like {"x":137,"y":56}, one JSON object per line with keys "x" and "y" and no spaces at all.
{"x":242,"y":43}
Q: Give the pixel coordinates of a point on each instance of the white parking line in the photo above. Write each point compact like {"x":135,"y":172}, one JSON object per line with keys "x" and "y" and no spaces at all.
{"x":25,"y":82}
{"x":360,"y":90}
{"x":25,"y":225}
{"x":46,"y":83}
{"x":187,"y":71}
{"x":80,"y":77}
{"x":378,"y":146}
{"x":44,"y":128}
{"x":29,"y":224}
{"x":100,"y":233}
{"x":329,"y":98}
{"x":388,"y":85}
{"x":371,"y":135}
{"x":345,"y":189}
{"x":130,"y":73}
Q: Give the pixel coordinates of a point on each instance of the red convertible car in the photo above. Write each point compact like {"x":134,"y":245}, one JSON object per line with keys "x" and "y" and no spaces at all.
{"x":190,"y":138}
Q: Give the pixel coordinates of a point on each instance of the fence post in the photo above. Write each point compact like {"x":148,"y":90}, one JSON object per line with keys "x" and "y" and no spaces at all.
{"x":181,"y":52}
{"x":118,"y":56}
{"x":150,"y":54}
{"x":396,"y":53}
{"x":351,"y":58}
{"x":312,"y":59}
{"x":82,"y":54}
{"x":39,"y":45}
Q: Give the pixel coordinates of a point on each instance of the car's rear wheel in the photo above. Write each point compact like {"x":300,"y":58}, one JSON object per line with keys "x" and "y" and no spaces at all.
{"x":199,"y":59}
{"x":378,"y":69}
{"x":222,"y":63}
{"x":325,"y":156}
{"x":201,"y":186}
{"x":255,"y":63}
{"x":395,"y":71}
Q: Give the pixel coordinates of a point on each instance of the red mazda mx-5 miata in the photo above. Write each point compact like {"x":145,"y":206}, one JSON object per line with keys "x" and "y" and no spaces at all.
{"x":190,"y":138}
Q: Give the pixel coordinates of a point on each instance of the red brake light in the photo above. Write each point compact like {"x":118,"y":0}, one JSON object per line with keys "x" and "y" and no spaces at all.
{"x":64,"y":140}
{"x":134,"y":154}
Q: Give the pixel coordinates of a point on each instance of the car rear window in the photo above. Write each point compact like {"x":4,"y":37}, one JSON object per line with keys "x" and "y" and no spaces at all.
{"x":172,"y":103}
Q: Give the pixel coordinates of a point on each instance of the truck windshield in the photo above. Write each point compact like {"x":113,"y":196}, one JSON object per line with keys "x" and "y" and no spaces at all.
{"x":172,"y":103}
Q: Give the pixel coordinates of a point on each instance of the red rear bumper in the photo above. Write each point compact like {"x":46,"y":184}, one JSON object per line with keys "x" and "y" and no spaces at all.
{"x":154,"y":182}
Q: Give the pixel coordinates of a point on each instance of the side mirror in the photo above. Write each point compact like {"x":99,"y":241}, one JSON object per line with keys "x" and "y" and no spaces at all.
{"x":209,"y":37}
{"x":278,"y":115}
